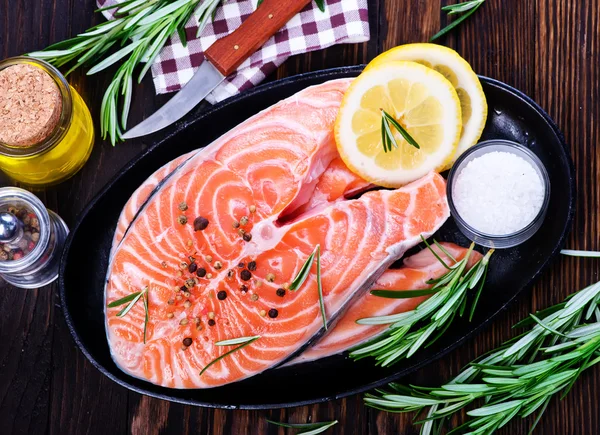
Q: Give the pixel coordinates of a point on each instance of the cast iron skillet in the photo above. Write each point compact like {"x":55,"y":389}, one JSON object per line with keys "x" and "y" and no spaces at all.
{"x":512,"y":116}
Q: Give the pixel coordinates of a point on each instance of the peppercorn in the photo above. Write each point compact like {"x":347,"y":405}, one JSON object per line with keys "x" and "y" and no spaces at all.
{"x":211,"y":322}
{"x":182,"y":220}
{"x":258,"y":283}
{"x":183,"y":206}
{"x":183,"y":288}
{"x":200,"y":223}
{"x":187,"y":341}
{"x":254,"y":297}
{"x":201,"y":272}
{"x":211,"y":315}
{"x":190,"y":243}
{"x":183,"y":322}
{"x":273,"y":313}
{"x":190,"y":283}
{"x":164,"y":264}
{"x":222,"y":295}
{"x":183,"y":265}
{"x":186,"y":294}
{"x":241,"y":265}
{"x":208,"y":275}
{"x":178,"y":298}
{"x":244,"y":220}
{"x":230,"y":273}
{"x":263,"y":313}
{"x":192,"y":267}
{"x":252,"y":208}
{"x":187,"y":304}
{"x":270,"y":277}
{"x":280,"y":292}
{"x":170,"y":301}
{"x":245,"y":275}
{"x":247,"y":237}
{"x":241,"y":232}
{"x":208,"y":258}
{"x":243,"y":288}
{"x":170,"y":315}
{"x":252,"y":266}
{"x":235,"y":224}
{"x":218,"y":265}
{"x":3,"y":256}
{"x":35,"y":237}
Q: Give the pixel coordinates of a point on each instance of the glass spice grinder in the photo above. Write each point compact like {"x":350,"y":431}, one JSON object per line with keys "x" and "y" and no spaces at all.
{"x":31,"y":239}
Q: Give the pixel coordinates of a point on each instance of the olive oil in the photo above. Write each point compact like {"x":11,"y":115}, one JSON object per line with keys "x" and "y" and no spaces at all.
{"x":66,"y":148}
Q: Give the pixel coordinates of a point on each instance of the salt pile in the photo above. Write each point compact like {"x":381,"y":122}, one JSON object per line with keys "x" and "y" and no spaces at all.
{"x":498,"y":193}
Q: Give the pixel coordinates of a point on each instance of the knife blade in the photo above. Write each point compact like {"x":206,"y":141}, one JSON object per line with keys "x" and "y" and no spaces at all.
{"x":200,"y":85}
{"x":221,"y":59}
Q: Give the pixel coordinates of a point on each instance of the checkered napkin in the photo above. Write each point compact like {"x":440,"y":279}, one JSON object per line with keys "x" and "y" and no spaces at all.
{"x":344,"y":21}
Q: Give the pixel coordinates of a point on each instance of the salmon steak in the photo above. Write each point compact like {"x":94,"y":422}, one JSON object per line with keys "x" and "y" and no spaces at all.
{"x":215,"y":243}
{"x":415,"y":274}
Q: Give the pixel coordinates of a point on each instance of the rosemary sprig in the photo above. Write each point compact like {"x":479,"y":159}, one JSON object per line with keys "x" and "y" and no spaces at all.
{"x":387,"y":137}
{"x":409,"y":331}
{"x":307,"y":428}
{"x":244,"y":341}
{"x":517,"y":379}
{"x":140,"y":28}
{"x":303,"y":274}
{"x":124,"y":300}
{"x":145,"y":314}
{"x":404,"y":294}
{"x":134,"y":297}
{"x":467,"y":8}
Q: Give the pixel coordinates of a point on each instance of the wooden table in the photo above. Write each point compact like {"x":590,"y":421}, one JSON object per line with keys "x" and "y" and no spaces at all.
{"x":549,"y":49}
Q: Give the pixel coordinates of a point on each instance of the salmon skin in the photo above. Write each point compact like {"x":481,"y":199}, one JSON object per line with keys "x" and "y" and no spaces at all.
{"x":250,"y":179}
{"x":414,"y":274}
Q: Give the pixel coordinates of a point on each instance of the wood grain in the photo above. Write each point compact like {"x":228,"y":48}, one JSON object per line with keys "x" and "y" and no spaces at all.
{"x":547,"y":48}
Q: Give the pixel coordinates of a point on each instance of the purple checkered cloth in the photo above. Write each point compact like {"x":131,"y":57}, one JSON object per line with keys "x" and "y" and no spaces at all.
{"x":344,"y":21}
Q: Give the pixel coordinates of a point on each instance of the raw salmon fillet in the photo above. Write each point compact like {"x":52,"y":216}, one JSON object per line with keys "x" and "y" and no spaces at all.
{"x":414,"y":274}
{"x":270,"y":164}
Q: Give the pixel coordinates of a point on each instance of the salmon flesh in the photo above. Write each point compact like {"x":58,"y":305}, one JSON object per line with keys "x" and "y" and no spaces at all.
{"x":229,"y":226}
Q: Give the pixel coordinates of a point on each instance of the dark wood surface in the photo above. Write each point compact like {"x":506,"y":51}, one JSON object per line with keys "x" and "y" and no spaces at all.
{"x":547,"y":48}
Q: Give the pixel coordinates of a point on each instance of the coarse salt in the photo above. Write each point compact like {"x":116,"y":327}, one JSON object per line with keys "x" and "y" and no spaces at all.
{"x":498,"y":193}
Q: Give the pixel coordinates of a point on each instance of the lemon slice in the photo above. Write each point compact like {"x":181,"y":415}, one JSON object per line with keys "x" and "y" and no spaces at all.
{"x":458,"y":71}
{"x":421,"y":100}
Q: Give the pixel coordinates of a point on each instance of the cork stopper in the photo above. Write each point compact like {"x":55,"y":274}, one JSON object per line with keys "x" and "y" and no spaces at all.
{"x":30,"y":105}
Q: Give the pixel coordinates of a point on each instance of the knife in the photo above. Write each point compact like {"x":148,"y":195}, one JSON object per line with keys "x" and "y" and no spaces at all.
{"x":221,"y":59}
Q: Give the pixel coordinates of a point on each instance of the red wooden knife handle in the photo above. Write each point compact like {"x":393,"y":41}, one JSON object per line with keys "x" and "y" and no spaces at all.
{"x":227,"y":53}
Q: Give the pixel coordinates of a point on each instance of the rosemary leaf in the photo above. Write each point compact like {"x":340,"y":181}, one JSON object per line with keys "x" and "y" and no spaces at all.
{"x":125,"y":310}
{"x":407,"y":137}
{"x":234,"y":341}
{"x":145,"y":314}
{"x":320,"y":5}
{"x":435,"y":254}
{"x":574,"y":253}
{"x":320,"y":288}
{"x":468,"y":12}
{"x":403,"y":294}
{"x":124,"y":300}
{"x":306,"y":428}
{"x":216,"y":360}
{"x":461,"y":7}
{"x":303,"y":273}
